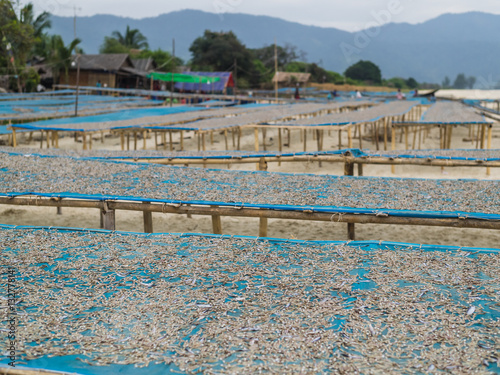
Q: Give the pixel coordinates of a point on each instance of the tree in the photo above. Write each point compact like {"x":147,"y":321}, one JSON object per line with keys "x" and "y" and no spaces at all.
{"x":111,"y":45}
{"x":164,"y":60}
{"x":132,"y":39}
{"x":446,"y":82}
{"x":118,"y":43}
{"x":17,"y":40}
{"x":460,"y":82}
{"x":60,"y":56}
{"x":364,"y":71}
{"x":218,"y":51}
{"x":318,"y":74}
{"x":471,"y":81}
{"x":286,"y":55}
{"x":411,"y":83}
{"x":39,"y":24}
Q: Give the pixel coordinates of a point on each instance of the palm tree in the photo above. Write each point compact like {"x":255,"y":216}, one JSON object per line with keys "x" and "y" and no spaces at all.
{"x":39,"y":23}
{"x":133,"y":39}
{"x":60,"y":56}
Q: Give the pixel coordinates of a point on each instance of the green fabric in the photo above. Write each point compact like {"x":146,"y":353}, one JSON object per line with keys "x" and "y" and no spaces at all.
{"x":186,"y":78}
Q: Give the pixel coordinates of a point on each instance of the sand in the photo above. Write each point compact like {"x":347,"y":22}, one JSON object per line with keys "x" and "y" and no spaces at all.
{"x":132,"y":221}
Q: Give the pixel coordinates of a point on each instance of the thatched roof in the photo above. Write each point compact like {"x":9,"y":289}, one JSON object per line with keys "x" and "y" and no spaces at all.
{"x":144,"y":65}
{"x":284,"y":77}
{"x":111,"y":62}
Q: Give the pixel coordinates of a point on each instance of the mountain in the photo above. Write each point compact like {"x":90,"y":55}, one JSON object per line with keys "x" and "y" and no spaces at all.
{"x":445,"y":46}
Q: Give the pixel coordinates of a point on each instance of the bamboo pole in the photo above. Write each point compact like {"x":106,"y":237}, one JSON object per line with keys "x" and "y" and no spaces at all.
{"x":135,"y":140}
{"x":182,"y":140}
{"x":216,"y":223}
{"x":14,"y":138}
{"x":393,"y":145}
{"x":256,"y":137}
{"x":122,"y":140}
{"x":144,"y":139}
{"x":225,"y":139}
{"x":108,"y":208}
{"x":148,"y":220}
{"x":263,"y":227}
{"x":280,"y":145}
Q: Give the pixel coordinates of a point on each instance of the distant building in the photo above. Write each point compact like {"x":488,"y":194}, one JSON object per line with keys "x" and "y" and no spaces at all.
{"x":290,"y":79}
{"x":114,"y":70}
{"x":225,"y":85}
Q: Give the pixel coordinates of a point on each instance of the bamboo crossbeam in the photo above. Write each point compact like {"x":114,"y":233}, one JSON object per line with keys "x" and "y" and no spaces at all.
{"x":332,"y":216}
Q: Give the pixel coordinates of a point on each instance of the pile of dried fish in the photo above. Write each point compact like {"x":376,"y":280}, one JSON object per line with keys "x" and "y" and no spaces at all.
{"x":396,"y":108}
{"x":449,"y":112}
{"x":39,"y":175}
{"x":432,"y":154}
{"x":199,"y":304}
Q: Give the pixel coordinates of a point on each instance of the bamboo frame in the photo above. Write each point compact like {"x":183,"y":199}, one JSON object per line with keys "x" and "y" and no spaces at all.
{"x":108,"y":209}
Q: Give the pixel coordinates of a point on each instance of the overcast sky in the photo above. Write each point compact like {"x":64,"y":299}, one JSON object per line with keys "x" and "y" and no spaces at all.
{"x":349,"y":15}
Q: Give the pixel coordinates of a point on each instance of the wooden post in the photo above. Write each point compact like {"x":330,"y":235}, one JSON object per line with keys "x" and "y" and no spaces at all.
{"x":225,"y":139}
{"x":349,"y":136}
{"x":128,"y":141}
{"x":211,"y":137}
{"x":108,"y":217}
{"x":348,"y":169}
{"x":393,"y":146}
{"x":84,"y":137}
{"x":264,"y":131}
{"x":360,"y":137}
{"x":263,"y":227}
{"x":483,"y":136}
{"x":90,"y":141}
{"x":340,"y":139}
{"x":148,"y":220}
{"x":48,"y":140}
{"x":256,"y":137}
{"x":490,"y":130}
{"x":305,"y":140}
{"x":182,"y":140}
{"x":216,"y":224}
{"x":385,"y":133}
{"x":144,"y":139}
{"x":280,"y":146}
{"x":156,"y":141}
{"x":14,"y":138}
{"x":351,"y":234}
{"x":239,"y":138}
{"x":262,"y":166}
{"x":41,"y":139}
{"x":135,"y":140}
{"x":171,"y":143}
{"x":203,"y":141}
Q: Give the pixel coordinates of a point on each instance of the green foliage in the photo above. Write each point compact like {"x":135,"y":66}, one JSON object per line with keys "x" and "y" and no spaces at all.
{"x":446,"y":82}
{"x":364,"y":71}
{"x":163,"y":59}
{"x":123,"y":43}
{"x":60,"y":56}
{"x":318,"y":74}
{"x":111,"y":45}
{"x":411,"y":83}
{"x":460,"y":82}
{"x":266,"y":55}
{"x":218,"y":51}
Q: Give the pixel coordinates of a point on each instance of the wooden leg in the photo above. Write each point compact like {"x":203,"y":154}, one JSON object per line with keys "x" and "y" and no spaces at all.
{"x":349,"y":169}
{"x":216,"y":224}
{"x":148,"y":221}
{"x":351,"y":232}
{"x":182,"y":140}
{"x":263,"y":227}
{"x":108,"y":218}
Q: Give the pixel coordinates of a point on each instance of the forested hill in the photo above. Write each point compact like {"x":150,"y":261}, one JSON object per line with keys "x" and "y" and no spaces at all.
{"x":444,"y":46}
